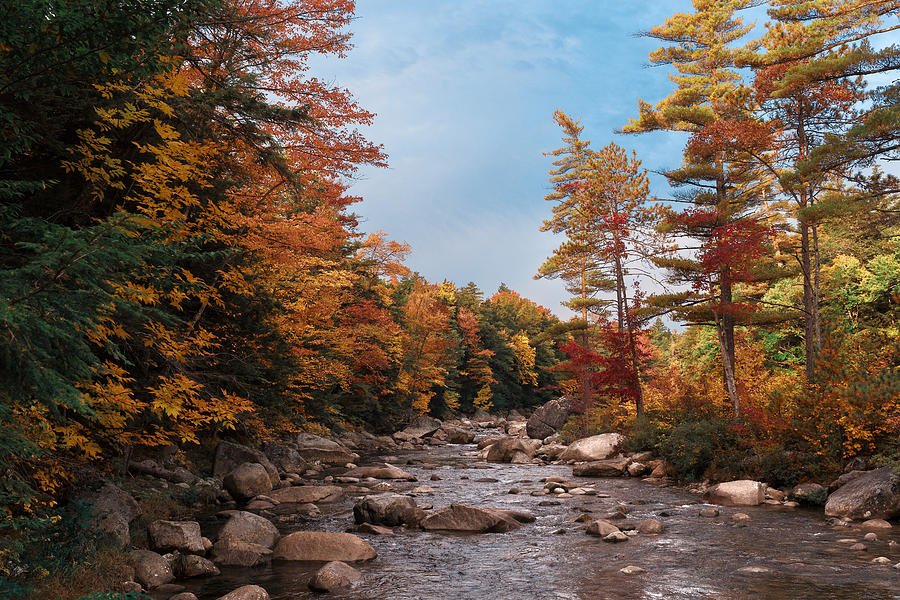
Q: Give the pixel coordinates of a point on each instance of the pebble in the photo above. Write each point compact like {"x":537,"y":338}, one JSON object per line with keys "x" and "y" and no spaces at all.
{"x":514,"y":491}
{"x":631,"y":570}
{"x":565,"y":495}
{"x":859,"y":547}
{"x":709,"y":512}
{"x":435,"y":478}
{"x":549,"y":503}
{"x":881,"y":560}
{"x":486,"y":480}
{"x":870,"y":537}
{"x":615,"y":537}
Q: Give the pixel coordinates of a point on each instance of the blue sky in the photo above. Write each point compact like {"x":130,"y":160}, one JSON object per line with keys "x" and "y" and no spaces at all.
{"x":464,"y":93}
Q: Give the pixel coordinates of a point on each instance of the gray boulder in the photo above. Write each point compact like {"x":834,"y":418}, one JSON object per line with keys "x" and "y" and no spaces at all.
{"x":472,"y":519}
{"x":743,"y":492}
{"x":507,"y":448}
{"x":384,"y":471}
{"x":247,"y":480}
{"x":546,"y":420}
{"x":333,"y":576}
{"x":184,"y":536}
{"x":601,"y":528}
{"x":810,"y":493}
{"x":388,"y":509}
{"x":231,"y":552}
{"x":191,"y":565}
{"x":458,"y":435}
{"x":151,"y":570}
{"x":874,"y":495}
{"x":230,"y":455}
{"x":314,"y":448}
{"x":114,"y":510}
{"x":247,"y":592}
{"x":596,"y":447}
{"x":419,"y":427}
{"x":249,"y":528}
{"x":285,"y":458}
{"x":323,"y":545}
{"x":305,"y":494}
{"x":613,"y":467}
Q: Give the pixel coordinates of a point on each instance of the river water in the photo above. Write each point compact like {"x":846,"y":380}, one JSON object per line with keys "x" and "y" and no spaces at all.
{"x":794,"y":552}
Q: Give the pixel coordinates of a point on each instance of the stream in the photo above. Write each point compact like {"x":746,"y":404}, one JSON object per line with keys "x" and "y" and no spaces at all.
{"x":792,"y":553}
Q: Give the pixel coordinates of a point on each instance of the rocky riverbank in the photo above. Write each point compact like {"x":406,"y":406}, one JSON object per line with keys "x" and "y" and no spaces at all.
{"x":289,"y":503}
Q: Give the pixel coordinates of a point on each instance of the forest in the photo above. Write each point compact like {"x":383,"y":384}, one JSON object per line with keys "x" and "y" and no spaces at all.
{"x":180,"y":262}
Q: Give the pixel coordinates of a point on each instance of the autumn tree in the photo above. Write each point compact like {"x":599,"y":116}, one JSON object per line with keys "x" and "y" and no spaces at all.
{"x":709,"y":102}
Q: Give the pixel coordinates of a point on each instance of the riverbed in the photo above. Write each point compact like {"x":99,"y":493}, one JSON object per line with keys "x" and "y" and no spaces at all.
{"x":780,"y":554}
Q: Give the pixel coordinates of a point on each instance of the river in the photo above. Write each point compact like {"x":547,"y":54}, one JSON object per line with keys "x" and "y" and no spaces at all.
{"x":792,"y":554}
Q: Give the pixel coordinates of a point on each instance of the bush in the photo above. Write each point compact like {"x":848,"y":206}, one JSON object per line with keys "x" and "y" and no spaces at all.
{"x":699,"y":449}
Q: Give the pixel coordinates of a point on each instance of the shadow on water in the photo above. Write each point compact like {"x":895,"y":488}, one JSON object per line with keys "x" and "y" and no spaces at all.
{"x":793,"y":554}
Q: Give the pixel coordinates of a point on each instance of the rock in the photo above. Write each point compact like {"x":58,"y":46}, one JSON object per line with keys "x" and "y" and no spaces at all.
{"x":323,"y":545}
{"x":229,"y":456}
{"x":871,"y":537}
{"x":615,"y":537}
{"x":515,"y":428}
{"x":305,"y":494}
{"x":231,"y":552}
{"x":601,"y":528}
{"x":151,"y":570}
{"x":388,"y":509}
{"x":638,"y":469}
{"x":460,"y":517}
{"x":810,"y":493}
{"x":774,"y":494}
{"x":489,"y":441}
{"x":247,"y":592}
{"x":179,"y":475}
{"x":650,"y":527}
{"x":114,"y":510}
{"x":881,"y":560}
{"x":631,"y":570}
{"x":597,"y":447}
{"x":741,"y":518}
{"x":314,"y":448}
{"x":423,"y":489}
{"x":383,"y":472}
{"x":333,"y":576}
{"x":743,"y":492}
{"x":874,"y":495}
{"x":505,"y":448}
{"x":754,"y":570}
{"x":247,"y":480}
{"x":375,"y":530}
{"x":168,"y":588}
{"x":876,"y":524}
{"x":419,"y":427}
{"x":249,"y":528}
{"x":709,"y":512}
{"x":547,"y":419}
{"x":191,"y":565}
{"x":184,"y":596}
{"x":613,"y":467}
{"x":844,"y":479}
{"x":519,"y":458}
{"x":285,"y":458}
{"x":859,"y":547}
{"x":661,"y":469}
{"x":166,"y":536}
{"x":857,"y":463}
{"x":458,"y":435}
{"x":552,"y":451}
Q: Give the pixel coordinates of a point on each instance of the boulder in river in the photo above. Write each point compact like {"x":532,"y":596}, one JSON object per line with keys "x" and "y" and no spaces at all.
{"x":874,"y":495}
{"x":232,"y":552}
{"x":151,"y":570}
{"x":388,"y":509}
{"x":460,"y":517}
{"x":285,"y":458}
{"x":384,"y":471}
{"x":507,"y":448}
{"x":191,"y":565}
{"x":612,"y":467}
{"x":323,"y":545}
{"x":247,"y":592}
{"x":305,"y":494}
{"x":333,"y":576}
{"x":230,"y":455}
{"x":315,"y":448}
{"x":601,"y":528}
{"x":247,"y":480}
{"x":810,"y":493}
{"x":458,"y":435}
{"x":547,"y":419}
{"x":419,"y":427}
{"x":596,"y":447}
{"x":184,"y":536}
{"x":743,"y":492}
{"x":249,"y":528}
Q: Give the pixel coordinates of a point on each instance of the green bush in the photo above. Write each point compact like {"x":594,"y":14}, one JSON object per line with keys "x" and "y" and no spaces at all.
{"x":699,"y":449}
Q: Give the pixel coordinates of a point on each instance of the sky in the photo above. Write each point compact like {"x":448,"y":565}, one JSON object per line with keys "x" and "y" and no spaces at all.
{"x":464,"y":92}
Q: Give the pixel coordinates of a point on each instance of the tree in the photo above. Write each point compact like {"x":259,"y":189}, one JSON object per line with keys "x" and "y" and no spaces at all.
{"x":708,"y":99}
